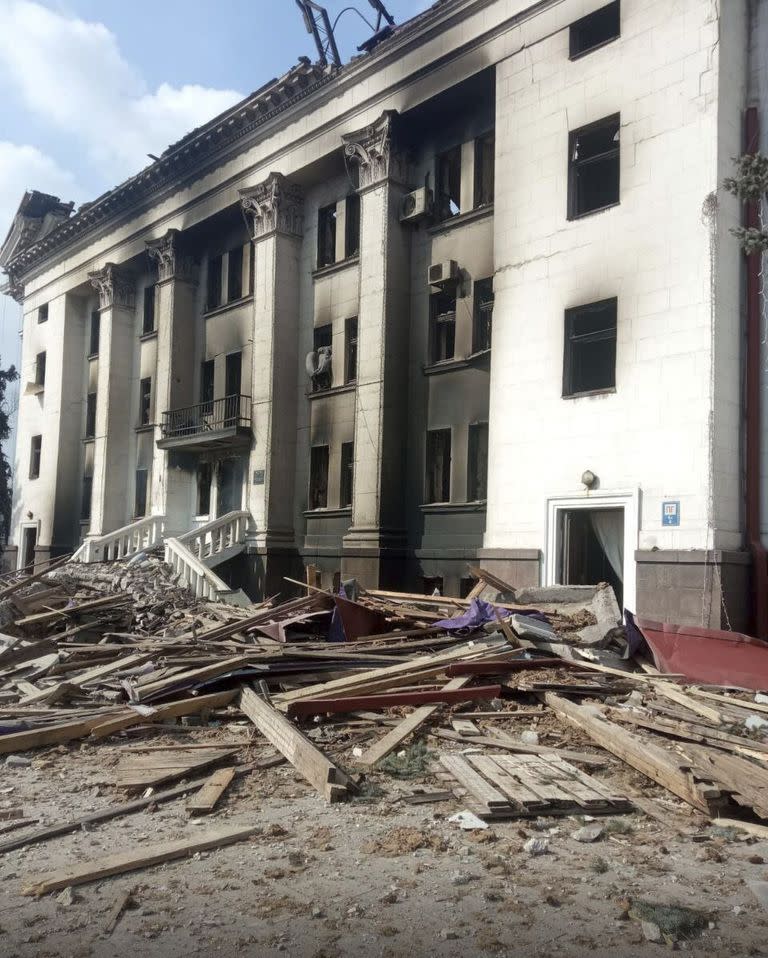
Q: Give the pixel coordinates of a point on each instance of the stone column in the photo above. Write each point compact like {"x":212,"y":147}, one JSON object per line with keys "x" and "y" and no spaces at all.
{"x":275,"y":210}
{"x":173,"y":474}
{"x":376,"y":541}
{"x":115,"y":419}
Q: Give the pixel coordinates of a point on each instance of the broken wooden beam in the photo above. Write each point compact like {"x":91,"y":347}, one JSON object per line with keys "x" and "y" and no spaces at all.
{"x":206,"y":799}
{"x":305,"y":757}
{"x":190,"y":706}
{"x":123,"y":862}
{"x":389,"y":699}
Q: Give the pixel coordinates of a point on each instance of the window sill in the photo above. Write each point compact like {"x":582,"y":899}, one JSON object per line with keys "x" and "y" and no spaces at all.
{"x":331,"y":268}
{"x":332,"y":391}
{"x":601,"y":209}
{"x":145,"y":337}
{"x":328,"y":513}
{"x":226,"y":307}
{"x":89,"y":438}
{"x":449,"y":365}
{"x":461,"y":219}
{"x":91,"y":356}
{"x":609,"y":391}
{"x":453,"y":507}
{"x":145,"y":427}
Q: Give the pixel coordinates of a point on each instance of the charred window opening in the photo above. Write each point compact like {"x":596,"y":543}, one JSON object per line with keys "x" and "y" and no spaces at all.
{"x":235,"y":274}
{"x":251,"y":266}
{"x":432,"y":584}
{"x":233,"y":375}
{"x":145,"y":401}
{"x":477,"y":462}
{"x":322,"y":377}
{"x":318,"y":477}
{"x":442,"y":323}
{"x":593,"y":167}
{"x":449,"y":183}
{"x":483,"y":315}
{"x":206,"y":386}
{"x":85,"y":502}
{"x":40,"y":369}
{"x":140,"y":498}
{"x":595,"y":30}
{"x":42,"y":313}
{"x":90,"y":415}
{"x":213,"y":298}
{"x":484,"y":169}
{"x":590,"y":348}
{"x":347,"y":474}
{"x":350,"y":350}
{"x":148,"y":324}
{"x":204,"y":483}
{"x":35,"y":452}
{"x":326,"y":235}
{"x":352,"y":225}
{"x":466,"y":585}
{"x":438,"y":486}
{"x":95,"y":330}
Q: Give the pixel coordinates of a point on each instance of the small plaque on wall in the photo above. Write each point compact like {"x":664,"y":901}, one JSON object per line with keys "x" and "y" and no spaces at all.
{"x":258,"y":477}
{"x":670,"y":512}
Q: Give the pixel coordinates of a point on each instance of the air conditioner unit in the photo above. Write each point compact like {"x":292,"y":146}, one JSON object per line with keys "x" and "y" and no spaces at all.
{"x":318,"y":363}
{"x":441,"y":274}
{"x":416,"y":206}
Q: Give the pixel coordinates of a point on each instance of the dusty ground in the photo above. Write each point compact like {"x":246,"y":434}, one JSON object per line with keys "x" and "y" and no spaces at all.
{"x":340,"y":880}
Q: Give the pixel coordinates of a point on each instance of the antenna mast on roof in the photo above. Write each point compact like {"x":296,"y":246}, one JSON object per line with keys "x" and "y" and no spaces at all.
{"x":318,"y":24}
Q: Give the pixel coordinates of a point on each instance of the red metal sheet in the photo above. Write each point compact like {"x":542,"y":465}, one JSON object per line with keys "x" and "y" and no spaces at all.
{"x":358,"y":620}
{"x":386,"y":699}
{"x":708,"y":656}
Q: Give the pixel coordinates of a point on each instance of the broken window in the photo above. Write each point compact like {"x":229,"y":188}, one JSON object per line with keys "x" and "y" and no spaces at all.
{"x":590,"y":348}
{"x":140,"y":499}
{"x":318,"y":477}
{"x":93,"y":340}
{"x":326,"y":235}
{"x":595,"y":30}
{"x":352,"y":225}
{"x":350,"y":350}
{"x":148,"y":321}
{"x":477,"y":462}
{"x":442,"y":333}
{"x":206,"y":386}
{"x":484,"y":169}
{"x":213,"y":298}
{"x":449,"y":183}
{"x":42,"y":313}
{"x":432,"y":584}
{"x":35,"y":452}
{"x":235,"y":274}
{"x":145,"y":401}
{"x":322,"y":378}
{"x":483,"y":315}
{"x":438,"y":486}
{"x":593,"y":170}
{"x":90,"y":415}
{"x":204,"y":483}
{"x":347,"y":473}
{"x":85,"y":503}
{"x":40,"y":369}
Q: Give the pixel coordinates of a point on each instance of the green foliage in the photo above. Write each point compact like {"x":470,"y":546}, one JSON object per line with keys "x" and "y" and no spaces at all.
{"x":675,"y":922}
{"x":750,"y":183}
{"x":6,"y":376}
{"x":413,"y":762}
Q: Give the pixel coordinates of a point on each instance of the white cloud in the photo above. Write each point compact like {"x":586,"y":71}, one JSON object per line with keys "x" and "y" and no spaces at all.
{"x":71,"y":73}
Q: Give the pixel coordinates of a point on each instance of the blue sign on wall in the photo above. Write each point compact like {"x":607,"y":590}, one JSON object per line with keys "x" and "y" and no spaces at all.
{"x":670,"y":512}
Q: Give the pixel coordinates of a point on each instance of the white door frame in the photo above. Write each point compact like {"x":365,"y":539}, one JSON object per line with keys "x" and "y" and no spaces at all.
{"x":629,"y":501}
{"x":31,"y":524}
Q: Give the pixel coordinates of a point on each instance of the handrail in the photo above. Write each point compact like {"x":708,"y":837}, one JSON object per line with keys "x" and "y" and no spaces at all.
{"x":207,"y":416}
{"x":217,"y":535}
{"x":194,"y":574}
{"x":128,"y":540}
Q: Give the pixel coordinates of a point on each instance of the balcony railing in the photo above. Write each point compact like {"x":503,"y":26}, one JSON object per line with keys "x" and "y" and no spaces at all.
{"x":214,"y":415}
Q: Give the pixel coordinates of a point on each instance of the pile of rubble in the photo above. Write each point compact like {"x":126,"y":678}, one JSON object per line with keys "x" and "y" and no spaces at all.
{"x":503,"y":706}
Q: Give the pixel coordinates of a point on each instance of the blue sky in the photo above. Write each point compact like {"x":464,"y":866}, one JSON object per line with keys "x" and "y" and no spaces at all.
{"x":89,"y":87}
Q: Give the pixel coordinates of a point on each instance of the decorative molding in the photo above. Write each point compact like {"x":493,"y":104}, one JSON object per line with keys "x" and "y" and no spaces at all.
{"x":372,"y":151}
{"x":171,"y":262}
{"x":276,"y":205}
{"x":115,"y":287}
{"x":15,"y":287}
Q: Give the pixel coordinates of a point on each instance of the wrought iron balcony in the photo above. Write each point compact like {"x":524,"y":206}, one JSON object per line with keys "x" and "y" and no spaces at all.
{"x":224,"y":422}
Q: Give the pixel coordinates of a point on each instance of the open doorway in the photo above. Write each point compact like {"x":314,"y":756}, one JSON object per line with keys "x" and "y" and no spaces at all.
{"x":28,"y":544}
{"x":591,"y":548}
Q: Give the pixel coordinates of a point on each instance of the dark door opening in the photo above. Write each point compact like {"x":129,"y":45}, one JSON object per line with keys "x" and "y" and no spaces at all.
{"x":29,"y":541}
{"x":591,"y":548}
{"x":230,"y":486}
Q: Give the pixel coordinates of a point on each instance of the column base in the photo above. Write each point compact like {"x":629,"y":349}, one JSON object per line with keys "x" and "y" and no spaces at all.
{"x":521,"y":568}
{"x":374,"y":556}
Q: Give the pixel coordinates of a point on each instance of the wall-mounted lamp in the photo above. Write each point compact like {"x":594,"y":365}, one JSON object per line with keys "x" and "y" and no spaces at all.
{"x":588,"y":478}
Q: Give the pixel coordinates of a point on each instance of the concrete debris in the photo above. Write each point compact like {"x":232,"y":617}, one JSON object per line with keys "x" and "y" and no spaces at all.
{"x":468,"y":821}
{"x":588,"y":833}
{"x":536,"y":846}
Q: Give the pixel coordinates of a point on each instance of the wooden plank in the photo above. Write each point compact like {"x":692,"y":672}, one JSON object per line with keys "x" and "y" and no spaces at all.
{"x":759,"y":831}
{"x":190,"y":706}
{"x":641,"y":754}
{"x":670,"y":691}
{"x":9,"y":590}
{"x":488,"y":795}
{"x":508,"y":783}
{"x":132,"y":860}
{"x":305,"y":757}
{"x":92,"y":605}
{"x":52,"y":735}
{"x":193,"y":676}
{"x":123,"y":901}
{"x":408,"y":726}
{"x":729,"y":700}
{"x":491,"y":579}
{"x":465,"y":726}
{"x":389,"y":699}
{"x":507,"y":743}
{"x":137,"y":771}
{"x":505,"y":627}
{"x":91,"y":675}
{"x":206,"y":799}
